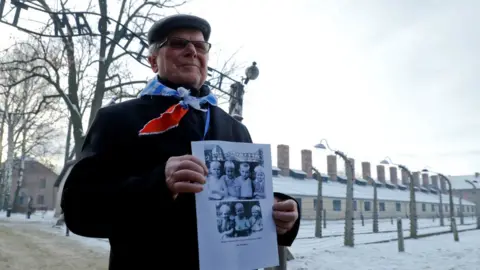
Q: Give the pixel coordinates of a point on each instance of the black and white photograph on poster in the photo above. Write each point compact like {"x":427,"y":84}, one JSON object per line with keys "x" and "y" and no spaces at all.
{"x":234,"y":209}
{"x":239,"y":219}
{"x":234,"y":175}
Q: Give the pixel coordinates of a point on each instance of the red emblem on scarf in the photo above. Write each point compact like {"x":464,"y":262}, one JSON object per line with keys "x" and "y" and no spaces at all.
{"x":167,"y":120}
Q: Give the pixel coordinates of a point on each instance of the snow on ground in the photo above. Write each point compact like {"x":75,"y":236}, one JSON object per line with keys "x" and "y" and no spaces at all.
{"x":436,"y":252}
{"x":44,"y":222}
{"x":32,"y":246}
{"x":310,"y":252}
{"x":307,"y":229}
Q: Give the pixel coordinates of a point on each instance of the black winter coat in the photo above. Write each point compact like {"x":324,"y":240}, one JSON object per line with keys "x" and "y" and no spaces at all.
{"x":117,"y":189}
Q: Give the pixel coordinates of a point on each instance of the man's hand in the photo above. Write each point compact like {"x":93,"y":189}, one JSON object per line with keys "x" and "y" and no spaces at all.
{"x":285,"y":213}
{"x":185,"y":174}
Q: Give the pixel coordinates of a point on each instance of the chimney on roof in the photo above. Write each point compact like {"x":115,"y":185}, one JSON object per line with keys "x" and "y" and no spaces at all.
{"x":283,"y":159}
{"x":416,"y":179}
{"x":307,"y":162}
{"x":393,"y":175}
{"x":435,"y":181}
{"x":366,"y":172}
{"x":425,"y":179}
{"x":332,"y":167}
{"x":381,"y":174}
{"x":405,"y":179}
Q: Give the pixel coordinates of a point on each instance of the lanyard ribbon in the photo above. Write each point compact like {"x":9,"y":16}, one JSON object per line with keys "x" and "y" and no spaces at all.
{"x":172,"y":116}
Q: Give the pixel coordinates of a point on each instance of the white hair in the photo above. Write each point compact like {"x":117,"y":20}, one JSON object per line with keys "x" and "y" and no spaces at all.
{"x":215,"y":163}
{"x":229,"y":164}
{"x":256,"y":208}
{"x":153,"y":48}
{"x":259,"y":169}
{"x":245,"y":165}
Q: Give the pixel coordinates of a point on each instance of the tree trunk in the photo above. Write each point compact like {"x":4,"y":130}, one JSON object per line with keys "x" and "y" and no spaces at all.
{"x":67,"y":143}
{"x":2,"y":165}
{"x":102,"y":66}
{"x":10,"y":161}
{"x":16,"y":205}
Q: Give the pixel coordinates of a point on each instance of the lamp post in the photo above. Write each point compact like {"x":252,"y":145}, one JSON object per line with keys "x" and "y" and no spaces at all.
{"x":237,"y":89}
{"x":477,"y":210}
{"x":413,"y":201}
{"x":450,"y":195}
{"x":319,"y":205}
{"x":349,"y":230}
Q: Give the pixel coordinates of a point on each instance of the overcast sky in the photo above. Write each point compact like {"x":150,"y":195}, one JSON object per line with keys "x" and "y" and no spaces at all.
{"x":376,"y":78}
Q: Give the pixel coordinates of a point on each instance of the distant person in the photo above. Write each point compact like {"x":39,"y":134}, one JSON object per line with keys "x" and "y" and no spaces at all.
{"x":225,"y":222}
{"x":259,"y":183}
{"x":242,"y":224}
{"x":217,"y":188}
{"x":135,"y":179}
{"x":246,"y":188}
{"x":256,"y":221}
{"x":233,"y":185}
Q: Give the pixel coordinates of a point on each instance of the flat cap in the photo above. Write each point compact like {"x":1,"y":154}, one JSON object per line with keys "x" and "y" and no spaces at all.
{"x":162,"y":28}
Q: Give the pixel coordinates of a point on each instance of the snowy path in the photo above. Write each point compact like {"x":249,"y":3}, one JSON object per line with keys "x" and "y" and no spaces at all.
{"x":32,"y":246}
{"x":437,"y":252}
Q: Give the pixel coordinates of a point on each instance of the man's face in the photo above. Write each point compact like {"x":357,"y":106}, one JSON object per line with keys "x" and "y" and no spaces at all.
{"x":260,"y":176}
{"x":187,"y":65}
{"x":244,"y":172}
{"x":229,"y":172}
{"x":225,"y":211}
{"x":239,"y":209}
{"x":215,"y":169}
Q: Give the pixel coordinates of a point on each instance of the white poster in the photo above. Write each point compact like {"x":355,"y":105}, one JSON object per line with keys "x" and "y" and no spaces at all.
{"x":235,"y":226}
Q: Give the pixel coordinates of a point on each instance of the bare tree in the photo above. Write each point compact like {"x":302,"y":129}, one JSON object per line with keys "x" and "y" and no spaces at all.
{"x":93,"y":66}
{"x":30,"y":120}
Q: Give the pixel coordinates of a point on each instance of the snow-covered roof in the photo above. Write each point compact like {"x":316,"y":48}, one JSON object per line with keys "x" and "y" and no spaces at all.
{"x":458,"y":182}
{"x":361,"y":180}
{"x":308,"y":187}
{"x":298,"y":171}
{"x":275,"y":169}
{"x":402,"y":186}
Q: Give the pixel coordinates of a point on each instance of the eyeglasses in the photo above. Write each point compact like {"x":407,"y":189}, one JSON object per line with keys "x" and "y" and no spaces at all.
{"x":181,"y":43}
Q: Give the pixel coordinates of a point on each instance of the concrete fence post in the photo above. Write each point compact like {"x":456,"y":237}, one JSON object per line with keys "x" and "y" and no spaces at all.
{"x":454,"y":229}
{"x":324,"y":218}
{"x":282,"y":258}
{"x":401,"y":243}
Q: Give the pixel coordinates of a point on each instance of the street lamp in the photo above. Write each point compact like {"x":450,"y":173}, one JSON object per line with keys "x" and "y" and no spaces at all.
{"x":319,"y":205}
{"x":450,"y":194}
{"x":413,"y":202}
{"x":237,"y":89}
{"x":349,"y":230}
{"x":477,"y":210}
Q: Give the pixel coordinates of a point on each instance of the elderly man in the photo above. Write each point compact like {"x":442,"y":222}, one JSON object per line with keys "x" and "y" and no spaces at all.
{"x":135,"y":180}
